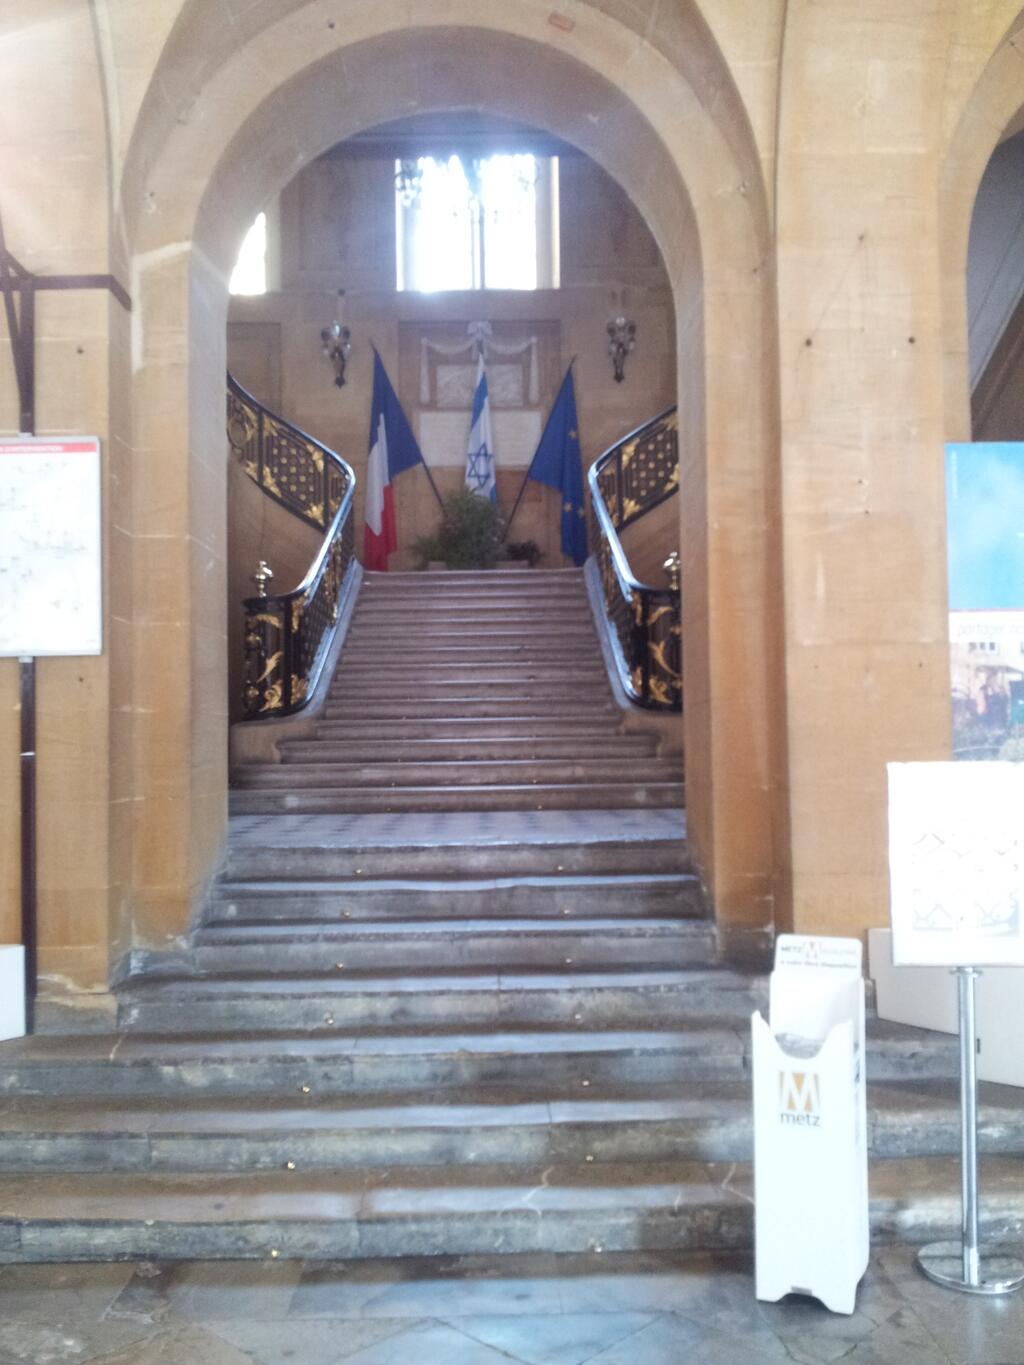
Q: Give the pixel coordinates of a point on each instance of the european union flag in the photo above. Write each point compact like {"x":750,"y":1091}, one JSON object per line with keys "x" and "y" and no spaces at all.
{"x":558,"y":464}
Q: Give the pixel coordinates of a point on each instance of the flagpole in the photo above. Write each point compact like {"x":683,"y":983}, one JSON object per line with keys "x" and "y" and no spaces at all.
{"x":426,"y":467}
{"x":526,"y":478}
{"x":430,"y":478}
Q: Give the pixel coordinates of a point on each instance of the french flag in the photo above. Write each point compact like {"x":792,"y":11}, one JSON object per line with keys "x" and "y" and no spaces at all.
{"x":393,"y":449}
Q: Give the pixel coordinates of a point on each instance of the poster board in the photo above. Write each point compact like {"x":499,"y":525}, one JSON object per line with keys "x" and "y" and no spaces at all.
{"x":985,"y":541}
{"x":51,"y":547}
{"x":956,"y":864}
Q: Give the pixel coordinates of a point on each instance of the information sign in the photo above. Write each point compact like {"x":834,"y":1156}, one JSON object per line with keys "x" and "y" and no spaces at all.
{"x":51,"y":597}
{"x":956,"y":862}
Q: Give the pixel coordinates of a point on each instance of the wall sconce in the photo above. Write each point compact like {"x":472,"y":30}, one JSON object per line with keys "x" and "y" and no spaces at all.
{"x":621,"y":340}
{"x":337,"y":343}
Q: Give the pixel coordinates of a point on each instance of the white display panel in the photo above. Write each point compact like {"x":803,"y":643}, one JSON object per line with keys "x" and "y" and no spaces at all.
{"x":956,"y":862}
{"x":51,"y":549}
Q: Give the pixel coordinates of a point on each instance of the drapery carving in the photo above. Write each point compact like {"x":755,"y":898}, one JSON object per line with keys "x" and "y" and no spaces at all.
{"x":479,"y":337}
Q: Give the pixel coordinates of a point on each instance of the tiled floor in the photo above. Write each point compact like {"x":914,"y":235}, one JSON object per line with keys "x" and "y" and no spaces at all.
{"x":621,"y":1310}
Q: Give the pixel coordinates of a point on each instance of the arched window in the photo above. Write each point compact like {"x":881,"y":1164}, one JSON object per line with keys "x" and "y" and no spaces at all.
{"x":477,"y":223}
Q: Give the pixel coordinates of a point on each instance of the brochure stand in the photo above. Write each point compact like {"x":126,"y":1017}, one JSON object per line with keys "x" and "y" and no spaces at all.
{"x":956,"y":861}
{"x":811,"y":1226}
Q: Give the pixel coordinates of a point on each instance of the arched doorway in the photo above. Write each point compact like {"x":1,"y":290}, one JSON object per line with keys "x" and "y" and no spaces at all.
{"x":685,"y":158}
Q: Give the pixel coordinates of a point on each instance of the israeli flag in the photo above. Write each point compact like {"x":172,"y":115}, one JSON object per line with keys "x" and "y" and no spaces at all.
{"x":480,"y":451}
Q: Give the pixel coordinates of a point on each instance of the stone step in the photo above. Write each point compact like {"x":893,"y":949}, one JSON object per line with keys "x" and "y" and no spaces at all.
{"x":486,"y":585}
{"x":364,"y":1001}
{"x":515,"y":772}
{"x":655,"y":794}
{"x":471,"y":727}
{"x":427,"y":621}
{"x":466,"y":650}
{"x":707,"y":1121}
{"x":635,"y":747}
{"x":549,"y":602}
{"x":461,"y":583}
{"x":501,"y":706}
{"x":392,"y":674}
{"x":305,"y":849}
{"x":391,"y":636}
{"x":523,"y":1062}
{"x":398,"y":1211}
{"x":411,"y":944}
{"x":363,"y":901}
{"x":398,"y":579}
{"x":398,"y":690}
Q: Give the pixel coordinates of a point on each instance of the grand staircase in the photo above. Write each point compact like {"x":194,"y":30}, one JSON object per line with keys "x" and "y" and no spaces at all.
{"x":454,"y":992}
{"x":467,"y":692}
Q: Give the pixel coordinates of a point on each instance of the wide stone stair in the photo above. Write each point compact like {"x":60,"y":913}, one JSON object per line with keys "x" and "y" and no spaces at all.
{"x":442,"y":1032}
{"x":463,"y":692}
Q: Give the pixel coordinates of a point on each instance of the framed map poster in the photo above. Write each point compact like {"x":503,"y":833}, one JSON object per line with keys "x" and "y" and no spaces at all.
{"x":51,"y":547}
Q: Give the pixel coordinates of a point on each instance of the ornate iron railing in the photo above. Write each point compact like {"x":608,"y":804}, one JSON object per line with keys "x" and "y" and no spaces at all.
{"x":628,"y":480}
{"x":287,"y":635}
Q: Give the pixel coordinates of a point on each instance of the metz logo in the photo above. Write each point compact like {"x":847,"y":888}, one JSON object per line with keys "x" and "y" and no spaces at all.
{"x":799,"y":1099}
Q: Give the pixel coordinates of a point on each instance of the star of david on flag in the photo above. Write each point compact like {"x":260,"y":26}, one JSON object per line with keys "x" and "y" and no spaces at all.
{"x":480,"y":449}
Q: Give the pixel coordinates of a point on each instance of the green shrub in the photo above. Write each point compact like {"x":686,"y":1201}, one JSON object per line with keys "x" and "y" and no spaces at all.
{"x":469,"y":536}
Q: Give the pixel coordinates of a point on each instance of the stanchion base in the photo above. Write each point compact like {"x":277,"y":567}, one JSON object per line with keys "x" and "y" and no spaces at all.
{"x":999,"y":1272}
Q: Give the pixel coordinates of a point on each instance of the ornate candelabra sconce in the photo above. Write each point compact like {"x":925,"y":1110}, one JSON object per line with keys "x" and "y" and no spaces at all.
{"x":621,"y":341}
{"x":336,"y":341}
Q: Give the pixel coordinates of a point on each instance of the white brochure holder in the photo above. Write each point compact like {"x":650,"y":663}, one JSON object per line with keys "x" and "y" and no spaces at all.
{"x":811,"y":1226}
{"x":12,"y":991}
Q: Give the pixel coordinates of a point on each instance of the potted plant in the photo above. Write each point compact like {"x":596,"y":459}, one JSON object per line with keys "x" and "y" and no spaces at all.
{"x":522,"y":554}
{"x":469,"y":536}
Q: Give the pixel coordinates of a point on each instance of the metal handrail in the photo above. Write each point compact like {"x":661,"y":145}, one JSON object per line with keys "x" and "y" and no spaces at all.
{"x":644,"y":622}
{"x":288,"y":634}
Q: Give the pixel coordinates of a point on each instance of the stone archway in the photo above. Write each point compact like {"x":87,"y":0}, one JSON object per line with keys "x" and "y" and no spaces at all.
{"x":994,"y":101}
{"x":682,"y":151}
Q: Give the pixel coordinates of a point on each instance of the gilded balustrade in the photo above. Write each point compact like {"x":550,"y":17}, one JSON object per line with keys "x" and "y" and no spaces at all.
{"x":626,"y":482}
{"x":287,"y":635}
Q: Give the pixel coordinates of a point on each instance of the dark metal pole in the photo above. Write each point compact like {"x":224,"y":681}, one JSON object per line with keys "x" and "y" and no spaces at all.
{"x":519,"y":498}
{"x":27,"y":329}
{"x":430,"y":477}
{"x":28,"y":835}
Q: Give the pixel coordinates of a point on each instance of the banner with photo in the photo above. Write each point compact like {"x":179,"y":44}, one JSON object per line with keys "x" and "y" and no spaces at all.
{"x":985,"y":537}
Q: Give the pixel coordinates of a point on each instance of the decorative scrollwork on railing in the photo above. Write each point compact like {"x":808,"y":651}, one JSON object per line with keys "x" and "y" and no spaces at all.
{"x":287,"y":635}
{"x":627,"y":481}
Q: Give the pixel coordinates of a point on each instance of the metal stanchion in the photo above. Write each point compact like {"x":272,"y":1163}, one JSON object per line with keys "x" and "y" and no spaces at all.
{"x":964,"y":1266}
